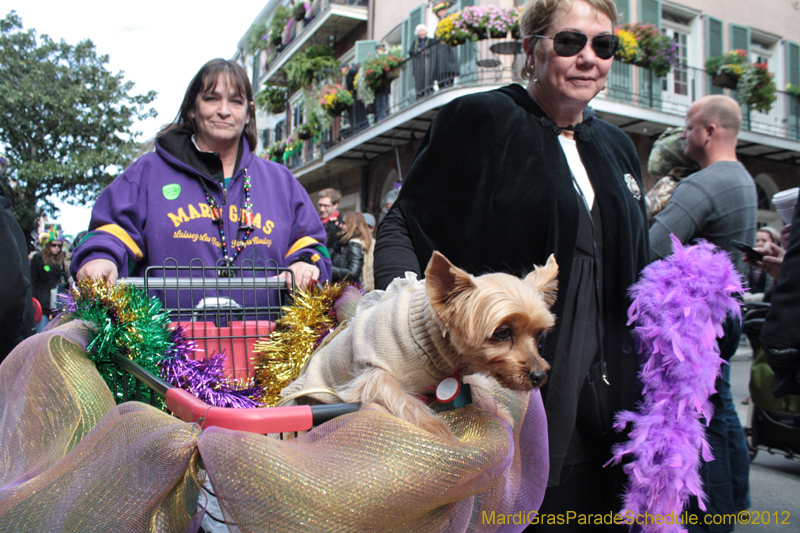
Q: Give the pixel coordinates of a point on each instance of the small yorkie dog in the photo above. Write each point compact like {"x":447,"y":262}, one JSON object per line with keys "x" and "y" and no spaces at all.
{"x":402,"y":348}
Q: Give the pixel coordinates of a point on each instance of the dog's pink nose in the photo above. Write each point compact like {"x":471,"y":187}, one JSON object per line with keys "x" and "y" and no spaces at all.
{"x":537,"y":377}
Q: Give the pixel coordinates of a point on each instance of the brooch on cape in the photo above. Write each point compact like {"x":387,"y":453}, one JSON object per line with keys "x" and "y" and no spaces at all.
{"x":630,"y":181}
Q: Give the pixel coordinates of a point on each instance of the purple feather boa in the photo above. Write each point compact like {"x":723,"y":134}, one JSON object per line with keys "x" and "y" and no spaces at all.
{"x":679,"y":306}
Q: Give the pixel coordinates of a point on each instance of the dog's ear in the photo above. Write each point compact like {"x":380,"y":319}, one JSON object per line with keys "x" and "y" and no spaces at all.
{"x":545,"y":279}
{"x":444,"y":281}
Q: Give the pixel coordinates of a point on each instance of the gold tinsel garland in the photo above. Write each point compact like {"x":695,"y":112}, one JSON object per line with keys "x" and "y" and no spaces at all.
{"x":280,"y":358}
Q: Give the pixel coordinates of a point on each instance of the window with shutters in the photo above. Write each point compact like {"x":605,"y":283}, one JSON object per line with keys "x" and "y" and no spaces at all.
{"x":763,"y":48}
{"x":682,"y":25}
{"x":678,"y":79}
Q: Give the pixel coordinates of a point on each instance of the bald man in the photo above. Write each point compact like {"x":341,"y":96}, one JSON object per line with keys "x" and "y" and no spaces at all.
{"x":718,"y":203}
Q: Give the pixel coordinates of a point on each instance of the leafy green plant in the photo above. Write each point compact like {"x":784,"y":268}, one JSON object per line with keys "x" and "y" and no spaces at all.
{"x":335,"y":99}
{"x":794,"y":90}
{"x":271,"y":99}
{"x":757,"y":88}
{"x":275,"y":151}
{"x":375,"y":72}
{"x":69,"y":123}
{"x":643,"y":45}
{"x":299,"y":11}
{"x":255,"y":38}
{"x":303,"y":67}
{"x":734,"y":63}
{"x":753,"y":82}
{"x":280,"y":17}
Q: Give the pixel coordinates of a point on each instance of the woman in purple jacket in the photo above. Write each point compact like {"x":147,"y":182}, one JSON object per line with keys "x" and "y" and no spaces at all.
{"x":204,"y":195}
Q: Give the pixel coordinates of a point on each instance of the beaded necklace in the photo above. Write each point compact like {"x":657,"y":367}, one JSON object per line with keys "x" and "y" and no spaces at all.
{"x":246,"y":221}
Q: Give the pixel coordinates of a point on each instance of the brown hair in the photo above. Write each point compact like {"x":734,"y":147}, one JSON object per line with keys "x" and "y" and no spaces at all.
{"x":538,"y":16}
{"x":356,"y":226}
{"x":206,"y":80}
{"x":50,"y":258}
{"x":333,"y":194}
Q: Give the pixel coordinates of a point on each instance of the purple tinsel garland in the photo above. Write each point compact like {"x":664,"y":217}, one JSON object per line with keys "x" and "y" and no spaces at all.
{"x":205,"y":378}
{"x":679,"y":306}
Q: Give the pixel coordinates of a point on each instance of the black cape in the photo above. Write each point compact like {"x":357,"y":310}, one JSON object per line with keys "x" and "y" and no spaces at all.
{"x":491,"y":189}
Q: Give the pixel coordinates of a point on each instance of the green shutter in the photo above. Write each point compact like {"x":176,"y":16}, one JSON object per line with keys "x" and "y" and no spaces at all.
{"x":650,"y":12}
{"x":714,"y":47}
{"x":415,"y":16}
{"x":467,"y":52}
{"x":649,"y":85}
{"x":256,"y":71}
{"x":623,"y":10}
{"x":714,"y":44}
{"x":739,"y":38}
{"x":620,"y":78}
{"x":364,"y":49}
{"x":793,"y":63}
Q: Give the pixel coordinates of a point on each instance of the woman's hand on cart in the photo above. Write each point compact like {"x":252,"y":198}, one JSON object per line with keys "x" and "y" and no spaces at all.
{"x":304,"y":274}
{"x":99,"y":268}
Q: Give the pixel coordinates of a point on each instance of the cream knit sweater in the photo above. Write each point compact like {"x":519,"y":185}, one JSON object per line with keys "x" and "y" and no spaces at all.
{"x":399,"y":335}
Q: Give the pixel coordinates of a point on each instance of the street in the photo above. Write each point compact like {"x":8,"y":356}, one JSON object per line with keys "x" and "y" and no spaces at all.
{"x":774,"y":480}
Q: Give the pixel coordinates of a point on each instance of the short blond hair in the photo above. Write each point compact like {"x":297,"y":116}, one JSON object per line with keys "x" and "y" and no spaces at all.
{"x":333,"y":194}
{"x":538,"y":16}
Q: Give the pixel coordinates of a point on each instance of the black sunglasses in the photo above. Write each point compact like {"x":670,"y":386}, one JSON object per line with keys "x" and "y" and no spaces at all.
{"x":569,"y":43}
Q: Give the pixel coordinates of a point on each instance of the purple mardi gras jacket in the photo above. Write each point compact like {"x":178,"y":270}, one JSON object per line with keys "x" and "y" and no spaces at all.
{"x":157,"y":209}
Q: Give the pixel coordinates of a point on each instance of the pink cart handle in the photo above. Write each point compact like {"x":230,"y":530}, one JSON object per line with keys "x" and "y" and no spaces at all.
{"x":264,"y":420}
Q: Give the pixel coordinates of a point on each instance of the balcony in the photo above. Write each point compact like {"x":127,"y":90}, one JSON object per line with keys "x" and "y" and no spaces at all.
{"x":331,"y":18}
{"x":632,"y":100}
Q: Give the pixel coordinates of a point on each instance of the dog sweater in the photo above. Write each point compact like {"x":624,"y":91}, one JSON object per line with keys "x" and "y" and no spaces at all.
{"x":399,"y":335}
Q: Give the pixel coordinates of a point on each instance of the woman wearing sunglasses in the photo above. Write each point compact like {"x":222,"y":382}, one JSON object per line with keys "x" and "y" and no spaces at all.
{"x":504,"y":178}
{"x":48,"y":271}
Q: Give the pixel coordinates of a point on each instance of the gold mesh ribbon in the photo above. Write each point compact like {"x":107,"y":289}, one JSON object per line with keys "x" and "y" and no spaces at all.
{"x":72,"y":461}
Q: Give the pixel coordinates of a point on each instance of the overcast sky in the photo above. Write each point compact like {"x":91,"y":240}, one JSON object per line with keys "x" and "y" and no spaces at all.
{"x":159,"y":45}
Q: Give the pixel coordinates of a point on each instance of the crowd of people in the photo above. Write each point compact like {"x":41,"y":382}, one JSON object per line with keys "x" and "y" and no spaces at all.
{"x":546,"y":176}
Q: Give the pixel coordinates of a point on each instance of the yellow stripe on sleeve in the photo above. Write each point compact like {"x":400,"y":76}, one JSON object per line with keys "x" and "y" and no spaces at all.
{"x":300,"y":244}
{"x":122,"y":235}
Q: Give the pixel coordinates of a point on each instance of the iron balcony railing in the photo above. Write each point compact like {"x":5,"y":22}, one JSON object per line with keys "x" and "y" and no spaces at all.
{"x":499,"y":61}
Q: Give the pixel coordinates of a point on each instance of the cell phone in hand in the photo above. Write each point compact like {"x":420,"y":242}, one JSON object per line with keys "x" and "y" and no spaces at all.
{"x":751,"y":253}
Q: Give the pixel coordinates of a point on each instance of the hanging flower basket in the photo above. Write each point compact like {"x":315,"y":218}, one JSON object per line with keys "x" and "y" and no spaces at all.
{"x":299,"y":11}
{"x":726,"y":80}
{"x":303,"y":132}
{"x":488,"y":21}
{"x":335,"y":99}
{"x":377,"y":71}
{"x":756,"y":87}
{"x":725,"y":70}
{"x":644,"y":46}
{"x":452,"y":31}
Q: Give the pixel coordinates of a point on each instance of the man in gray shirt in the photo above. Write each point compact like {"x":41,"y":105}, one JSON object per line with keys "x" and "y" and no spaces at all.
{"x":717,"y":203}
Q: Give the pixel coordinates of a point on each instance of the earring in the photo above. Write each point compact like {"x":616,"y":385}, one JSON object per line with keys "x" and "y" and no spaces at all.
{"x":535,"y":81}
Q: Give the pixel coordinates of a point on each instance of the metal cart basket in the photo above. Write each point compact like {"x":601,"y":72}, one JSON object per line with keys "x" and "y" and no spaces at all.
{"x":223,"y":309}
